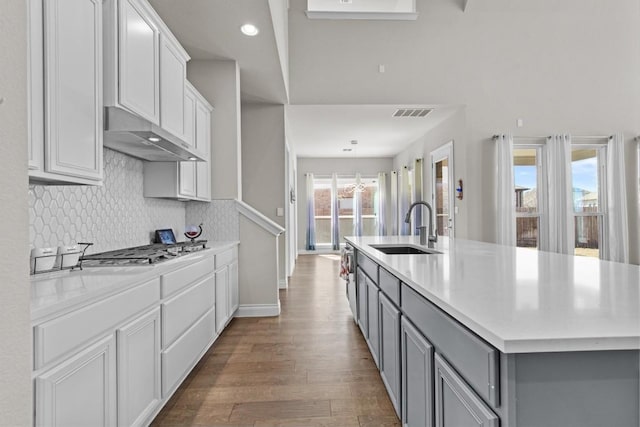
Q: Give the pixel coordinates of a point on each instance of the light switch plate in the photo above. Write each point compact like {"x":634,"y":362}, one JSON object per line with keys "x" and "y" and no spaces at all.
{"x":279,"y":211}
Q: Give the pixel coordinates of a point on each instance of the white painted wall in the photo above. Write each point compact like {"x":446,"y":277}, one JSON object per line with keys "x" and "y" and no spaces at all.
{"x":15,"y":316}
{"x":568,"y":66}
{"x":263,"y":165}
{"x":219,"y":83}
{"x":280,"y":17}
{"x":326,"y":166}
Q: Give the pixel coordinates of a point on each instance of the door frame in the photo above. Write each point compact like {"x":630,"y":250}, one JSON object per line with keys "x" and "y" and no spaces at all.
{"x":440,"y":153}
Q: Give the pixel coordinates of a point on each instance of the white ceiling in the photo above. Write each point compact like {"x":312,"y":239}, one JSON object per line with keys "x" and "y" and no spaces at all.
{"x":210,"y":29}
{"x":324,"y":130}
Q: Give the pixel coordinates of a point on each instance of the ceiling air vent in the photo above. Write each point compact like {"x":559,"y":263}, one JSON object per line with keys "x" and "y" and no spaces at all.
{"x":346,"y":1}
{"x":411,"y":112}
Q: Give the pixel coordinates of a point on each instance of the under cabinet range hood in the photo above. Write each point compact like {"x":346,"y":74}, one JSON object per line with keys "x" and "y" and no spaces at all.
{"x":133,"y":135}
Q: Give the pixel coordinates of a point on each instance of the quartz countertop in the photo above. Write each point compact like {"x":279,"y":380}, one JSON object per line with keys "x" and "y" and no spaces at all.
{"x":522,"y":300}
{"x":53,"y":294}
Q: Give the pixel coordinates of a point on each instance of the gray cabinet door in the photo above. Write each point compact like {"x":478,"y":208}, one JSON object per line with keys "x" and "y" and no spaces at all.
{"x":417,"y":377}
{"x":363,"y":316}
{"x":374,"y":323}
{"x":457,"y":405}
{"x":390,"y":350}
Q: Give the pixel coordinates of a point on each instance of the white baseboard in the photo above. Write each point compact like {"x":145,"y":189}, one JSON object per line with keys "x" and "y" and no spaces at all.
{"x":258,"y":310}
{"x":283,"y":284}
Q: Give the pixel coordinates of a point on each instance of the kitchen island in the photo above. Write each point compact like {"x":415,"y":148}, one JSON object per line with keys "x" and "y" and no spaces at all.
{"x":494,"y":335}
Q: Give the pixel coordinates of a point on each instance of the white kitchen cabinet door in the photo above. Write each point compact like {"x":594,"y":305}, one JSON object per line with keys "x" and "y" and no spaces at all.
{"x":190,"y":115}
{"x":222,"y":298}
{"x":138,"y":362}
{"x":81,"y":391}
{"x":233,"y":287}
{"x":35,"y":69}
{"x":73,"y":88}
{"x":203,"y":181}
{"x":203,"y":128}
{"x":188,"y":179}
{"x":138,"y":51}
{"x":173,"y":72}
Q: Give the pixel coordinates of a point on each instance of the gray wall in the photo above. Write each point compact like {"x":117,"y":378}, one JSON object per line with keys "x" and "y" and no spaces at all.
{"x":15,"y":317}
{"x":569,"y":66}
{"x":263,"y":165}
{"x":219,"y":83}
{"x":326,"y":166}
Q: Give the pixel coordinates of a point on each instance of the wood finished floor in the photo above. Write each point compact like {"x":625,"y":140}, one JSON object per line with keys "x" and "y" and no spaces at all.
{"x":308,"y":367}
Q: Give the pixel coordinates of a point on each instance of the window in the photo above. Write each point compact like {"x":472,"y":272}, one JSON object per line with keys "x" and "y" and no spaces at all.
{"x":587,"y":174}
{"x":527,"y":174}
{"x":322,"y":215}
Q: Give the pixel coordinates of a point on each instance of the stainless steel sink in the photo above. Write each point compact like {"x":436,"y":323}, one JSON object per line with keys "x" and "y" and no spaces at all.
{"x":404,"y":250}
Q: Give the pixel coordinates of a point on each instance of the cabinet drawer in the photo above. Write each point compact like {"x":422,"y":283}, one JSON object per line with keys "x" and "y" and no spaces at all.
{"x":390,"y":285}
{"x":61,"y":335}
{"x":368,"y":266}
{"x":178,"y":359}
{"x":225,"y":258}
{"x":472,"y":357}
{"x":184,"y":309}
{"x":179,"y":279}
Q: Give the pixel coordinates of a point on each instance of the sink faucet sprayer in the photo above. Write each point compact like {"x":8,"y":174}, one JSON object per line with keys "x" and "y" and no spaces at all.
{"x":422,"y":230}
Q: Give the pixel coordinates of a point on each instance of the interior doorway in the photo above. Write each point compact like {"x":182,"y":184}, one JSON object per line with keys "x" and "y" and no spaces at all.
{"x":443,"y":189}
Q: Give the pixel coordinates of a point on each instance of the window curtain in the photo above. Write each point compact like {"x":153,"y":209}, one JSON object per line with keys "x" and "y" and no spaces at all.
{"x":394,"y":203}
{"x":416,"y":188}
{"x":311,"y":220}
{"x":617,"y":242}
{"x":357,"y":207}
{"x":405,"y":202}
{"x":381,"y":205}
{"x":560,"y":212}
{"x":335,"y":220}
{"x":505,"y":198}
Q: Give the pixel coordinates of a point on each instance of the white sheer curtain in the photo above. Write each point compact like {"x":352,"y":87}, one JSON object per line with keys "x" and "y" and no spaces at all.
{"x":382,"y":204}
{"x":335,"y":220}
{"x":357,"y":207}
{"x":560,"y":213}
{"x":405,"y":202}
{"x":505,"y":198}
{"x":311,"y":220}
{"x":617,"y":241}
{"x":393,"y":185}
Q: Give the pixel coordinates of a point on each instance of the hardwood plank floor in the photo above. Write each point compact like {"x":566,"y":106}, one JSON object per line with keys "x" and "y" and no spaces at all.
{"x":308,"y":367}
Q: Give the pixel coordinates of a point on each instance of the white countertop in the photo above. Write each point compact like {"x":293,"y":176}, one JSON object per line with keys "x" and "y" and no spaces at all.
{"x":53,"y":294}
{"x":523,"y":300}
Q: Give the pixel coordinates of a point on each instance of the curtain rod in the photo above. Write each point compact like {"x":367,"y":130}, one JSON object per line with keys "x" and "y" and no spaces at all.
{"x":572,"y":137}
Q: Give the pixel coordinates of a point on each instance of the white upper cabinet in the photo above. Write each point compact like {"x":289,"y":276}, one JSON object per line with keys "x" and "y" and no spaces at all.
{"x":189,"y":115}
{"x":135,"y":56}
{"x":65,"y":93}
{"x":173,"y":72}
{"x":187,"y":180}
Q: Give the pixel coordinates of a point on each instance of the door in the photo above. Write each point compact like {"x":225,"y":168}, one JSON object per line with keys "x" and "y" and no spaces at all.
{"x":443,"y":189}
{"x":80,"y":391}
{"x":390,"y":350}
{"x":222,"y":298}
{"x":138,"y":369}
{"x":456,"y":403}
{"x":73,"y":87}
{"x":417,"y":377}
{"x":138,"y":61}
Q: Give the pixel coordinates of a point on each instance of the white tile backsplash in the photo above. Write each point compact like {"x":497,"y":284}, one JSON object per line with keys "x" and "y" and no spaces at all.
{"x":116,"y":215}
{"x":112,"y":216}
{"x":219,"y":219}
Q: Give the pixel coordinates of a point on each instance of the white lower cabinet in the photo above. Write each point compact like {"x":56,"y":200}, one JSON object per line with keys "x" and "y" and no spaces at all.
{"x":138,"y":345}
{"x":222,"y":298}
{"x":233,"y":287}
{"x":81,"y":391}
{"x":227,"y":292}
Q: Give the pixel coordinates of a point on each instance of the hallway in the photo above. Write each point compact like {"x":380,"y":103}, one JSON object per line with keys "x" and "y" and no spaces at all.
{"x":308,"y":367}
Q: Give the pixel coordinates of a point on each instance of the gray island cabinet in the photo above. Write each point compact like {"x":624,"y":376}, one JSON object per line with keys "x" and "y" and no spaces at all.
{"x":486,"y":335}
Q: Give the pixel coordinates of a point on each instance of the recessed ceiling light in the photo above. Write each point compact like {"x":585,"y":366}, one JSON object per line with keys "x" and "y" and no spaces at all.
{"x":346,"y":149}
{"x":154,"y":139}
{"x":193,"y":159}
{"x":249,"y":30}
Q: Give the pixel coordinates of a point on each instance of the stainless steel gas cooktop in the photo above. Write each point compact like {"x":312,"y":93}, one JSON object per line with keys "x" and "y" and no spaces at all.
{"x":142,"y":255}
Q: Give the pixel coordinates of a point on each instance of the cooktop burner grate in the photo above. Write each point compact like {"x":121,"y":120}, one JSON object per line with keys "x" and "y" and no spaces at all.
{"x":143,"y":255}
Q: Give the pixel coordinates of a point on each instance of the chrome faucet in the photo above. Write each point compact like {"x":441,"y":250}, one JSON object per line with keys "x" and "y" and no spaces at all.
{"x":422,"y":230}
